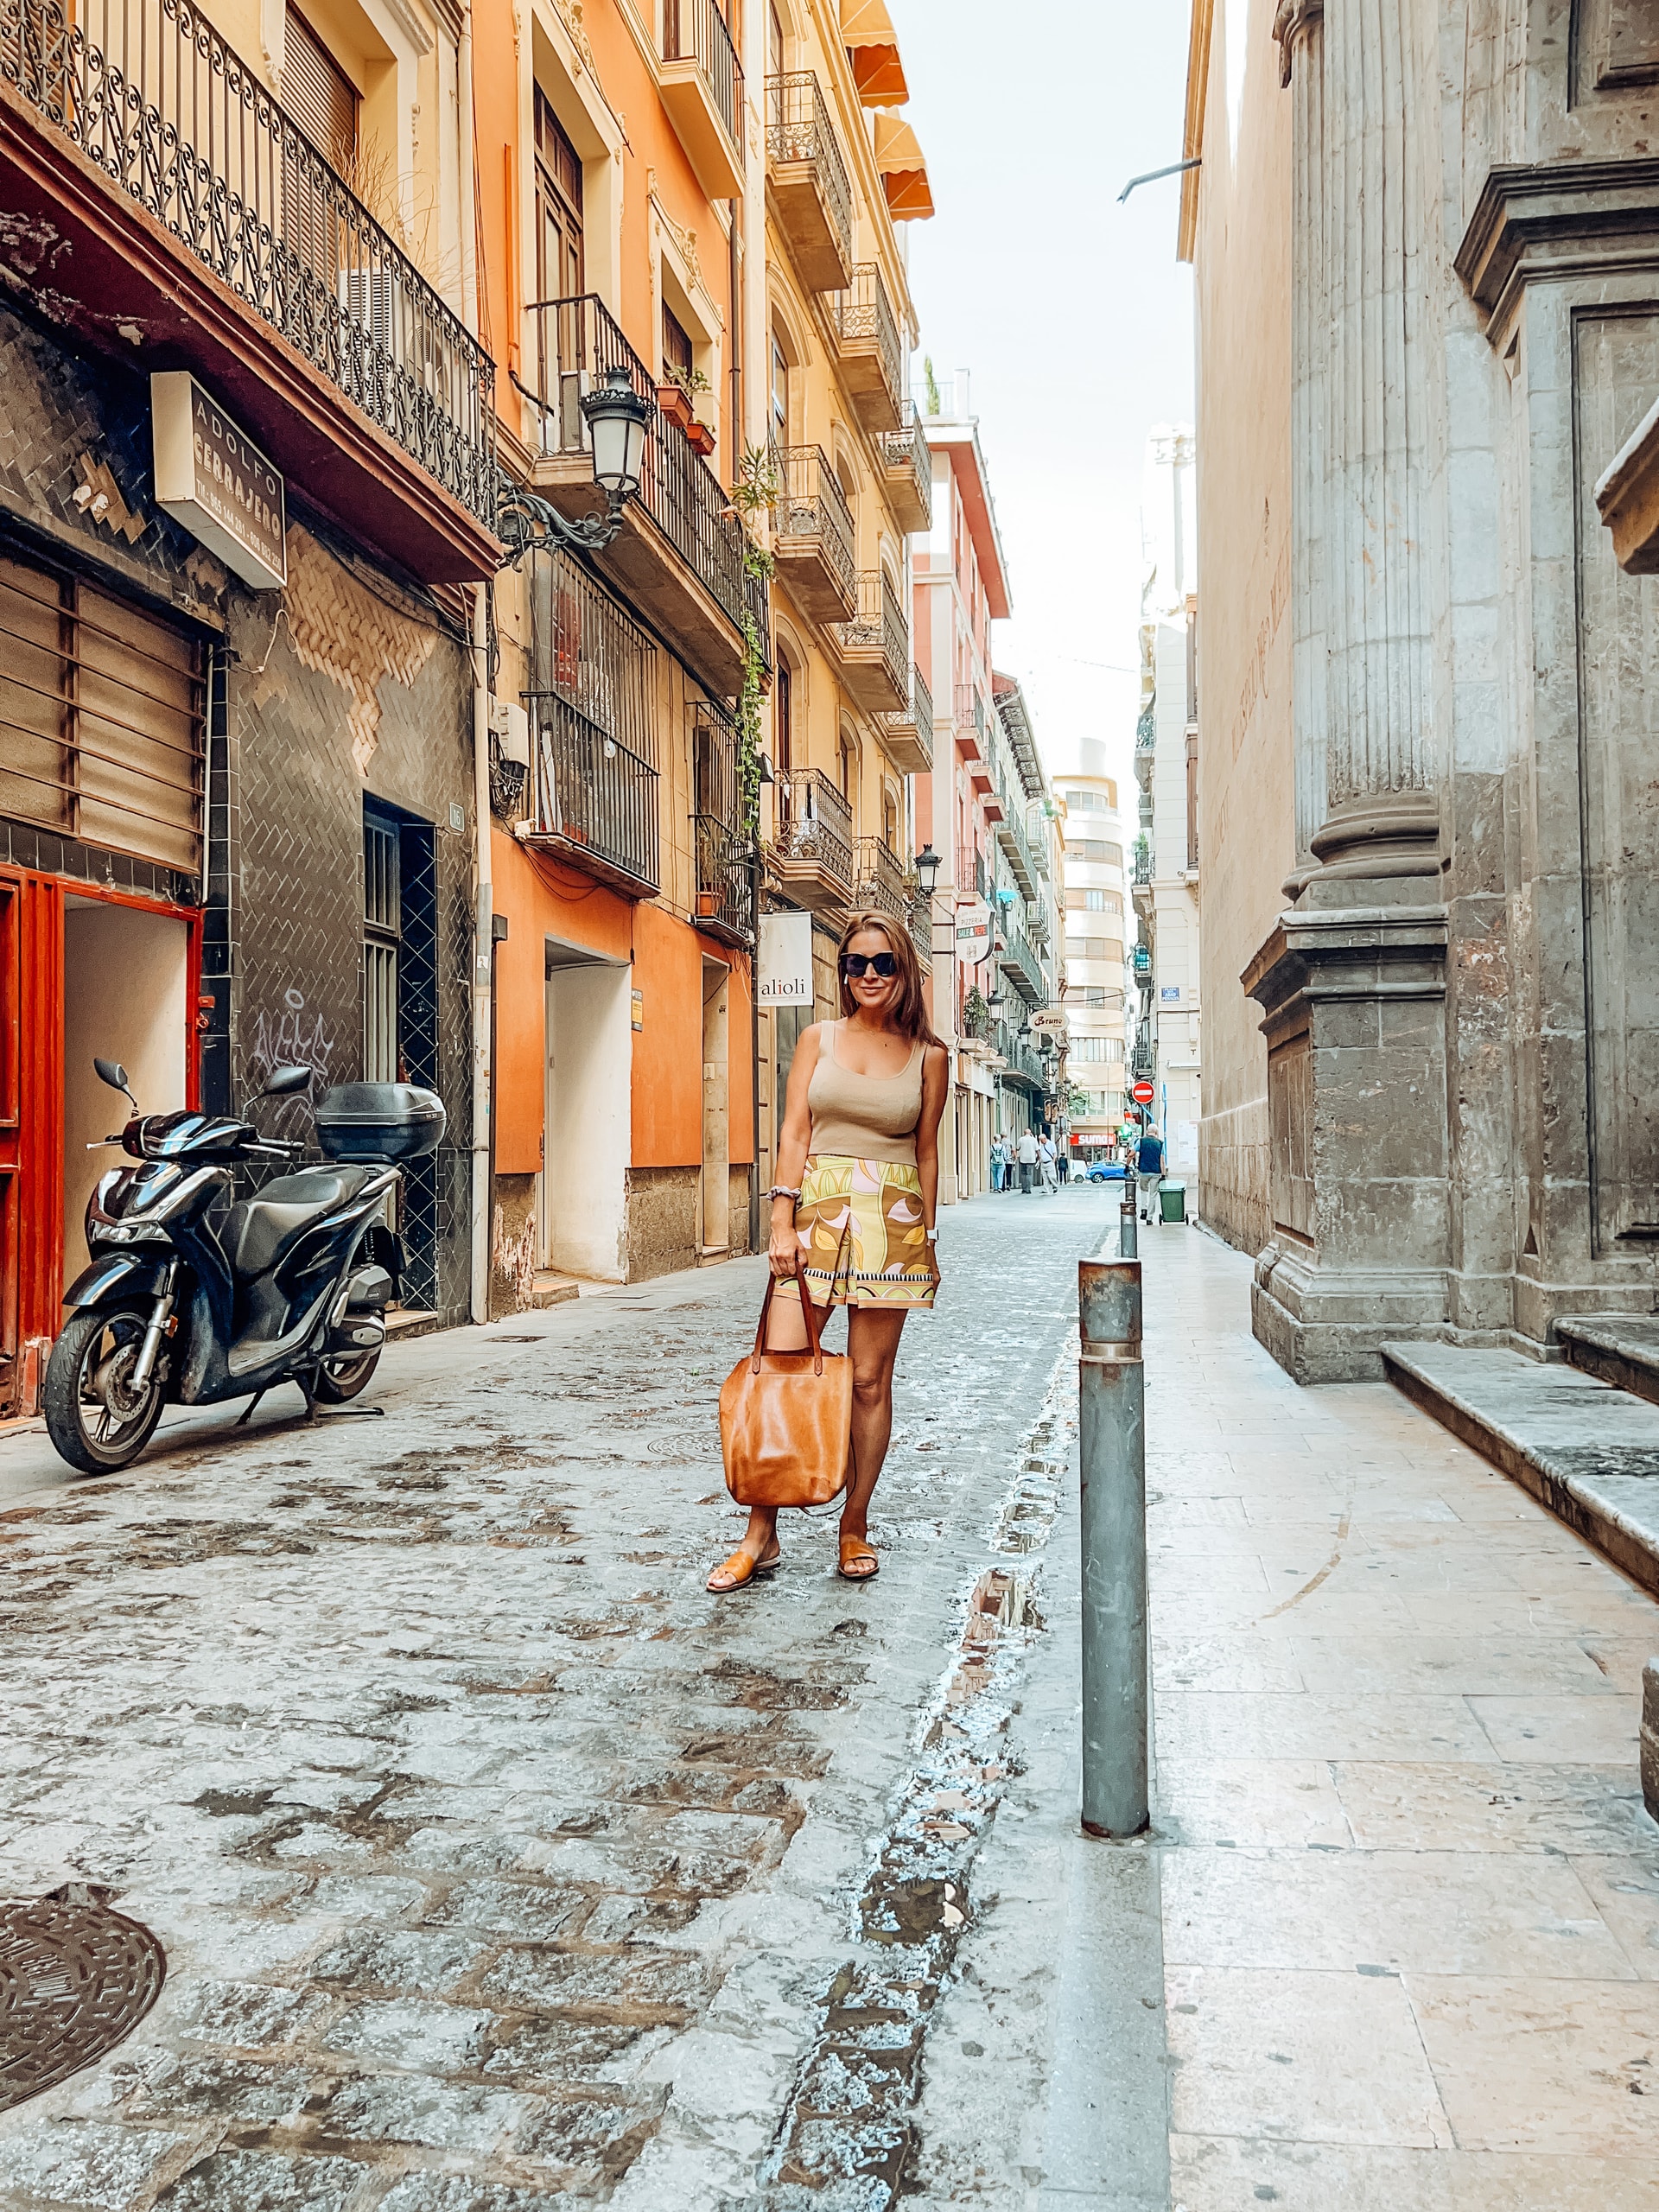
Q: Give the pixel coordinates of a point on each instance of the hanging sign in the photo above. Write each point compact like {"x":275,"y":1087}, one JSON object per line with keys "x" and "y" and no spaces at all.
{"x":211,"y":477}
{"x":1049,"y":1021}
{"x":973,"y":929}
{"x":785,"y":966}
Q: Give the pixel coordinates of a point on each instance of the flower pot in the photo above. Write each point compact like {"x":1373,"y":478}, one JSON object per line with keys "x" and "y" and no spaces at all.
{"x":708,"y":904}
{"x":674,"y":404}
{"x":700,"y":438}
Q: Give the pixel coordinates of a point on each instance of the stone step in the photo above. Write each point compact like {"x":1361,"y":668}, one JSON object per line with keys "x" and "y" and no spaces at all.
{"x":548,"y":1289}
{"x":1620,"y":1348}
{"x":403,"y":1322}
{"x":1587,"y":1451}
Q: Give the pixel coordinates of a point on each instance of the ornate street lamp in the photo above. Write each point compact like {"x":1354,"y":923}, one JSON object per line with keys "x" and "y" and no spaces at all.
{"x":928,"y":865}
{"x":617,"y":422}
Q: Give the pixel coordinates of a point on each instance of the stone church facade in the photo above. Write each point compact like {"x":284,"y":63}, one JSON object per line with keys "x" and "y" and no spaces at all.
{"x":1433,"y":1018}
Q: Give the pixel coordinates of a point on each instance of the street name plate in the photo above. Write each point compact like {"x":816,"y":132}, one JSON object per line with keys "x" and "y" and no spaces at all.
{"x":211,"y":477}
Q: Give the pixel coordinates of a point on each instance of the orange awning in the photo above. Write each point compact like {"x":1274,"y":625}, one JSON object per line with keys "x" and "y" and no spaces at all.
{"x":867,"y":33}
{"x":902,"y":170}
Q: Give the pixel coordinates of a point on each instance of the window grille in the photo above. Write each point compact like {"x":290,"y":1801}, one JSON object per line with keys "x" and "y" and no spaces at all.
{"x":382,"y":932}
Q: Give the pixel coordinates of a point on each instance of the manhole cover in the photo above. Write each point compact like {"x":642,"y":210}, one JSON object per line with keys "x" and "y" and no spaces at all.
{"x":74,"y":1980}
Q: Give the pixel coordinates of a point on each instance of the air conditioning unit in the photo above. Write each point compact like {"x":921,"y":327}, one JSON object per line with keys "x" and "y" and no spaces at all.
{"x":509,"y":726}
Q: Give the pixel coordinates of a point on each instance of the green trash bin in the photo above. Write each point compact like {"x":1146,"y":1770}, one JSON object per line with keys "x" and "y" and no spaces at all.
{"x":1171,"y":1198}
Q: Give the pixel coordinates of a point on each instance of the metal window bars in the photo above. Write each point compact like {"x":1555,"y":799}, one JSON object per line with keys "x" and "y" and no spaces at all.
{"x":579,"y":343}
{"x":695,"y":30}
{"x":150,"y":93}
{"x":594,"y":766}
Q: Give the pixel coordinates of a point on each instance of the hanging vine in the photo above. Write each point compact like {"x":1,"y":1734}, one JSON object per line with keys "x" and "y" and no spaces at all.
{"x":756,"y":486}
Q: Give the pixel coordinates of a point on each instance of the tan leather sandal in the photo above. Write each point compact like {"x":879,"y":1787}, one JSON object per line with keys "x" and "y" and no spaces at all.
{"x":743,"y":1569}
{"x":858,"y":1562}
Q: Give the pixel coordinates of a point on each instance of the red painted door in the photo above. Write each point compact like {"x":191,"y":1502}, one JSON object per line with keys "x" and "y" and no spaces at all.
{"x":31,"y":1131}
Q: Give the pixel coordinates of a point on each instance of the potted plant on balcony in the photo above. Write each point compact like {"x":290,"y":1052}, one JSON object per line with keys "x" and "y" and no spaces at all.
{"x":676,"y":396}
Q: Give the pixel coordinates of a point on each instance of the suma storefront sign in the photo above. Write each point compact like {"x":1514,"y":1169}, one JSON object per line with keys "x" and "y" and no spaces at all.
{"x":211,"y":477}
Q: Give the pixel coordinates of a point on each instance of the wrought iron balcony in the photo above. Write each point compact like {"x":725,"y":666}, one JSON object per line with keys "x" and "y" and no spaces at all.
{"x":811,"y":855}
{"x":1019,"y":963}
{"x":1011,"y":836}
{"x":907,"y":734}
{"x":1021,"y":1065}
{"x":875,"y":647}
{"x":809,"y":181}
{"x":815,"y":543}
{"x":907,"y":472}
{"x":883,"y":882}
{"x":680,"y":556}
{"x":921,"y":928}
{"x":703,"y":90}
{"x":1142,"y":865}
{"x":592,"y":699}
{"x":725,"y":852}
{"x":172,"y":122}
{"x":872,"y":362}
{"x":970,"y":713}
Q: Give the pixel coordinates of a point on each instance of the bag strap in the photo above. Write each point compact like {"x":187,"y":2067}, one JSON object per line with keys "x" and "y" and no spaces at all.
{"x":809,"y":1315}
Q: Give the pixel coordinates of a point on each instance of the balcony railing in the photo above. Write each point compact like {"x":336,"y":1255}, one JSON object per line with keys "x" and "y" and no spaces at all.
{"x":1016,"y":959}
{"x":579,"y":343}
{"x":909,"y":468}
{"x":695,"y":30}
{"x":868,"y":328}
{"x":594,"y":752}
{"x":178,"y":122}
{"x":880,"y":636}
{"x":907,"y":734}
{"x":801,"y":138}
{"x":725,"y":880}
{"x":815,"y":825}
{"x":921,"y":928}
{"x":883,"y":883}
{"x":970,"y":711}
{"x":812,"y":517}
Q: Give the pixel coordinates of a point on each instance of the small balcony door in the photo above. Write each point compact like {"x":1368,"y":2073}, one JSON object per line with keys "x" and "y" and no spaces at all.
{"x":558,"y":208}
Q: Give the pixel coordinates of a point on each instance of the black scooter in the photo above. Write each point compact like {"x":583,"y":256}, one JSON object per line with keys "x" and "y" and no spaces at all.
{"x":291,"y":1287}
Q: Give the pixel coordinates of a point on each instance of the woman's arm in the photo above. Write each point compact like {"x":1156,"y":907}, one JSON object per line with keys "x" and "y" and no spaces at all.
{"x":936,"y":1080}
{"x":794,"y":1136}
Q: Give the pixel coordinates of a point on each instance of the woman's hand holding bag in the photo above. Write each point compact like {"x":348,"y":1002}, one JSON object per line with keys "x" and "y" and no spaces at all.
{"x":787,"y":1418}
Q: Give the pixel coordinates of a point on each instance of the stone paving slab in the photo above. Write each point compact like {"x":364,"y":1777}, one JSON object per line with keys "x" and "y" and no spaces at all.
{"x":496,"y":1863}
{"x":1586,"y":1450}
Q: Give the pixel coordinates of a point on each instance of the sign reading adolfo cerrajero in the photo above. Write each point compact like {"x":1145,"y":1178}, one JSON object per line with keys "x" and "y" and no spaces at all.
{"x":211,"y":477}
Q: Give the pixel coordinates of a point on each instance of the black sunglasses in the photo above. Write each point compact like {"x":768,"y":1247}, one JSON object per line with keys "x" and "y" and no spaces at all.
{"x":879,"y":964}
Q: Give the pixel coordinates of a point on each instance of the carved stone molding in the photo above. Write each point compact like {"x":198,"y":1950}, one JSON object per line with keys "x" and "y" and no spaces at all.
{"x":1553,"y":220}
{"x":1292,"y":20}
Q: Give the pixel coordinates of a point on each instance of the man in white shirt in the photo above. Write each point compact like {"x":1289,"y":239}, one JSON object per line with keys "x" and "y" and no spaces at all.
{"x":1051,"y":1172}
{"x":1029,"y":1154}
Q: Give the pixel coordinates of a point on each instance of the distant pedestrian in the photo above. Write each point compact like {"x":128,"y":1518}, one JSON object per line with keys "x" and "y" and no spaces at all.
{"x":1028,"y":1155}
{"x":1051,"y":1173}
{"x":1063,"y":1164}
{"x":999,"y":1162}
{"x":1149,"y":1173}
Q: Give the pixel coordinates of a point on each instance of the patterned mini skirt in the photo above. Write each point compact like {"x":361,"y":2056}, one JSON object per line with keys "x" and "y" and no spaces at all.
{"x":863,"y":1242}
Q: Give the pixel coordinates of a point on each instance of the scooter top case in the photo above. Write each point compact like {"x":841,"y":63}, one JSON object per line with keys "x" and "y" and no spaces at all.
{"x":383,"y":1122}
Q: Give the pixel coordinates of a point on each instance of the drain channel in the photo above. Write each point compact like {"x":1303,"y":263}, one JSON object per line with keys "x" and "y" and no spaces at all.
{"x":847,"y":2140}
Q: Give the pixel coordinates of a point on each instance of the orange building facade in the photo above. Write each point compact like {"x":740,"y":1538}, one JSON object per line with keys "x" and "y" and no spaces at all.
{"x":612,"y":149}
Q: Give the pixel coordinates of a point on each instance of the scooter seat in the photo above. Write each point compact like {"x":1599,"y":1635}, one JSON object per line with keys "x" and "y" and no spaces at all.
{"x":260,"y":1231}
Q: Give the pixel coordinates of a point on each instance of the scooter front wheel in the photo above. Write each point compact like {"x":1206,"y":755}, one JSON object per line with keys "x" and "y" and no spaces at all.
{"x":96,"y":1419}
{"x":339,"y":1379}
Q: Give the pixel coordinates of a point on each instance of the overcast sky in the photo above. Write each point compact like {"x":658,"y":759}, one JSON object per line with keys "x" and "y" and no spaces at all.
{"x":1070,"y":312}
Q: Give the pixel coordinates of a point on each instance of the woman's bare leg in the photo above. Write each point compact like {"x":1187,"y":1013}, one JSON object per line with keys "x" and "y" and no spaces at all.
{"x":872,"y":1334}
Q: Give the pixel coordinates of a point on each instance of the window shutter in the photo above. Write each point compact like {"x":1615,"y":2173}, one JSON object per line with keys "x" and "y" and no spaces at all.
{"x":318,"y":94}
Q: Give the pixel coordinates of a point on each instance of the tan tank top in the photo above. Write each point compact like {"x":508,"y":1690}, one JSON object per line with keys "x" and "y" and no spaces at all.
{"x":864,"y":1116}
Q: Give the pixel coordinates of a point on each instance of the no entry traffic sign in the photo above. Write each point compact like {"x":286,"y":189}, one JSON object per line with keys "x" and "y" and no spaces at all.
{"x":1143,"y":1093}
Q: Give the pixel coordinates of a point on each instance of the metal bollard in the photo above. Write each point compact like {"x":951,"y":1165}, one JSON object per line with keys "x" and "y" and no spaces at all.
{"x":1113,"y":1469}
{"x":1128,"y":1230}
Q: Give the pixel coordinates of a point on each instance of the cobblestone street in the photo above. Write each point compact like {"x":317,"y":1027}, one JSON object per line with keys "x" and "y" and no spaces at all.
{"x":493,"y":1858}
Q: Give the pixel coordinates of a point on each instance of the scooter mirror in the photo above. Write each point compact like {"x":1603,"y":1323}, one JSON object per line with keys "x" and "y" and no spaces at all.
{"x":283,"y":1083}
{"x":112,"y":1073}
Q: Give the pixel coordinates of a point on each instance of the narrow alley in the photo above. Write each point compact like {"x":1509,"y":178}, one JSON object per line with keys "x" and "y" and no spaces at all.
{"x":494,"y":1860}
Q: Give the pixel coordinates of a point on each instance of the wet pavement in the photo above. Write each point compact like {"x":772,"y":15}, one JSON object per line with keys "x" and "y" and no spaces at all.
{"x":492,"y":1859}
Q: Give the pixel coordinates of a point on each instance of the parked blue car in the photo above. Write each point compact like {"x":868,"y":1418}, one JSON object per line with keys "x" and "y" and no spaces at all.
{"x":1106,"y":1171}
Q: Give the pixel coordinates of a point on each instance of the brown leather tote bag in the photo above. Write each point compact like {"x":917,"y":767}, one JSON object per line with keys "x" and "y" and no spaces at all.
{"x":786,"y":1419}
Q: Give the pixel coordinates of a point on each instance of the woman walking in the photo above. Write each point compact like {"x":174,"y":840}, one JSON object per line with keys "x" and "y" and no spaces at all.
{"x":853,"y":1208}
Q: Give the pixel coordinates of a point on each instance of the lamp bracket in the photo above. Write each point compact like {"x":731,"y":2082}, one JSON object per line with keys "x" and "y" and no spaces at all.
{"x":528,"y":524}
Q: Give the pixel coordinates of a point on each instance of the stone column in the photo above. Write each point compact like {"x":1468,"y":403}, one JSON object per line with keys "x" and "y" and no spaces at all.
{"x":1351,"y":984}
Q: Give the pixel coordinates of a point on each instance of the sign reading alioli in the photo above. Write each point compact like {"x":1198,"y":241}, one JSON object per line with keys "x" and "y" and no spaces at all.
{"x":211,"y":477}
